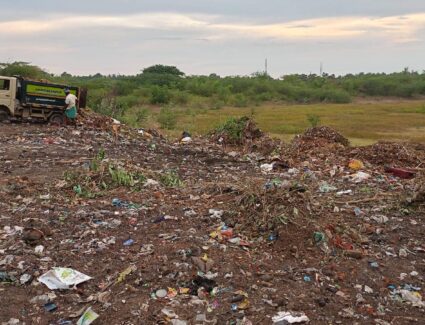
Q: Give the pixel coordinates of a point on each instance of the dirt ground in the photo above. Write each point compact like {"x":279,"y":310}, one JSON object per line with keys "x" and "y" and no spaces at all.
{"x":281,"y":235}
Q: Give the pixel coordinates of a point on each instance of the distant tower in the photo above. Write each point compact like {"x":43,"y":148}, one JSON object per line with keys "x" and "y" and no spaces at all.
{"x":321,"y":68}
{"x":265,"y":65}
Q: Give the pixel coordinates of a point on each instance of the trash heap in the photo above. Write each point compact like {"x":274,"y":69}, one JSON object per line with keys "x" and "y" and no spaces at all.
{"x":91,"y":119}
{"x":392,"y":154}
{"x":131,"y":229}
{"x":237,"y":131}
{"x":318,"y":137}
{"x":243,"y":132}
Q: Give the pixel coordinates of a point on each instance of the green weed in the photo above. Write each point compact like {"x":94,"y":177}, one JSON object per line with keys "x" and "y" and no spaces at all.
{"x":171,"y":179}
{"x":233,"y":128}
{"x":313,"y":119}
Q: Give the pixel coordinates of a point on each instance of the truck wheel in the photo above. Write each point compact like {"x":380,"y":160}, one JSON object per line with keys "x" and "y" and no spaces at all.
{"x":4,"y":116}
{"x":56,"y":119}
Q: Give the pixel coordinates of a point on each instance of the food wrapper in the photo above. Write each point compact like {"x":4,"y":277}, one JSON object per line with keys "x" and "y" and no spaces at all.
{"x":88,"y":317}
{"x":62,"y":278}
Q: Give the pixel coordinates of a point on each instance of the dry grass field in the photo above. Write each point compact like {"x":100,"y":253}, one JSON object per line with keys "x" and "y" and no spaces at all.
{"x":362,"y":122}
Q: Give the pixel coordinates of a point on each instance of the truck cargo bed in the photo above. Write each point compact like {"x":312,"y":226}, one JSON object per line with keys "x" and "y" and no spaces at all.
{"x":34,"y":93}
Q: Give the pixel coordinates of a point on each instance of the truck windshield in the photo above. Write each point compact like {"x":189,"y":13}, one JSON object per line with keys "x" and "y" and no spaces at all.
{"x":4,"y":84}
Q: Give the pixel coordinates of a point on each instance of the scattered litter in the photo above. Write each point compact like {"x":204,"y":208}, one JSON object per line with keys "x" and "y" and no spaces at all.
{"x":324,"y":187}
{"x":161,"y":293}
{"x":5,"y":277}
{"x":359,"y":177}
{"x":43,"y":299}
{"x":344,"y":192}
{"x":62,"y":278}
{"x":414,"y":298}
{"x":88,"y":317}
{"x":284,"y":317}
{"x":266,"y":167}
{"x":25,"y":278}
{"x":380,"y":218}
{"x":289,"y":229}
{"x":128,"y":242}
{"x":125,"y":273}
{"x":355,"y":164}
{"x":215,"y":213}
{"x":50,"y":307}
{"x":400,"y":172}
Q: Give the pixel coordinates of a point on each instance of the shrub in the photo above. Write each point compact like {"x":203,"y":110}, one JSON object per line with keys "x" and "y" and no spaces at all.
{"x":167,"y":118}
{"x":110,"y":106}
{"x":160,"y":95}
{"x":313,"y":119}
{"x":233,"y":128}
{"x":337,"y":96}
{"x":216,"y":104}
{"x":240,"y":100}
{"x":180,"y":97}
{"x":142,"y":114}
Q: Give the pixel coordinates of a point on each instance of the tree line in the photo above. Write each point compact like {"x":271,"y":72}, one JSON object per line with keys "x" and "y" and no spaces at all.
{"x":168,"y":86}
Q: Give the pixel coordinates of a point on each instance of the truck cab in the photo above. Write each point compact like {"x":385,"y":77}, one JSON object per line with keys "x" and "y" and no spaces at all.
{"x":8,"y":94}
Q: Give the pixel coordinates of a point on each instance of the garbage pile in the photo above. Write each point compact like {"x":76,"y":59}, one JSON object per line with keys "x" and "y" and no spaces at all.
{"x":318,"y":137}
{"x":91,"y":119}
{"x":133,"y":229}
{"x":390,"y":153}
{"x":237,"y":131}
{"x":243,"y":132}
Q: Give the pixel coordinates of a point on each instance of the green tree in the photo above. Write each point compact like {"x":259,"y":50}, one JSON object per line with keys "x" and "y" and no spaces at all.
{"x":164,"y":69}
{"x":23,"y":69}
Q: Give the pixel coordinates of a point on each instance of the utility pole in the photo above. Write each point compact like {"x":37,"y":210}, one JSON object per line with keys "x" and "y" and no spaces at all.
{"x":265,"y":65}
{"x":321,"y":68}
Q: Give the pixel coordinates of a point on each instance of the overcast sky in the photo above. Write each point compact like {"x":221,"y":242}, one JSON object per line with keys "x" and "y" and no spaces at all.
{"x":227,"y":37}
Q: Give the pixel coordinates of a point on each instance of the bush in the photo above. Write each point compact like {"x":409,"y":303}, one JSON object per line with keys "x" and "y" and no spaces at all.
{"x":180,"y":97}
{"x":142,"y":114}
{"x":123,"y":88}
{"x":240,"y":100}
{"x":127,"y":101}
{"x":216,"y":104}
{"x":160,"y":95}
{"x":330,"y":96}
{"x":112,"y":107}
{"x":233,"y":128}
{"x":167,"y":118}
{"x":223,"y":94}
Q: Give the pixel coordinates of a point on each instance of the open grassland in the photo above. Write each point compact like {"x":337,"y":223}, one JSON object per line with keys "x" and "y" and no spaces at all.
{"x":362,"y":122}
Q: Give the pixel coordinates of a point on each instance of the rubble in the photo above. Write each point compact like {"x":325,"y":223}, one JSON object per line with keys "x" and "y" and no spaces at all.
{"x":174,"y":233}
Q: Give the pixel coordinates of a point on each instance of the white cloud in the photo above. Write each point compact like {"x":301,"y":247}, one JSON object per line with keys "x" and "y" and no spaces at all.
{"x":396,"y":28}
{"x":161,"y":21}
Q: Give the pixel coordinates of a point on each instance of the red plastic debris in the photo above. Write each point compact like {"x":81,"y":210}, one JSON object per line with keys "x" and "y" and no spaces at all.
{"x":400,"y":172}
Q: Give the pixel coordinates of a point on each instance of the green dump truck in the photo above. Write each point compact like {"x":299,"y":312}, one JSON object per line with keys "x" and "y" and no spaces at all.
{"x":27,"y":99}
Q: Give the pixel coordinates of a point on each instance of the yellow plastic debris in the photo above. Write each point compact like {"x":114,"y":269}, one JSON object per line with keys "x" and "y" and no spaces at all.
{"x":204,"y":258}
{"x":126,"y":272}
{"x":184,"y":291}
{"x":355,"y":164}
